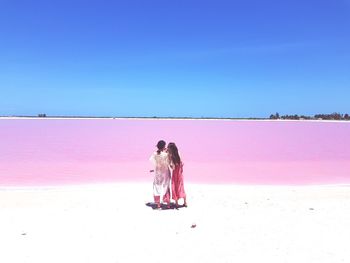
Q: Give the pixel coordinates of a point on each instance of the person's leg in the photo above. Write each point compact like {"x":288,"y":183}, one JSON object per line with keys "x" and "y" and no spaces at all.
{"x":167,"y":198}
{"x":157,"y":201}
{"x":185,"y":202}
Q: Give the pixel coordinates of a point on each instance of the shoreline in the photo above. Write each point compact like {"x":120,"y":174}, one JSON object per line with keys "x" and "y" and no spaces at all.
{"x":129,"y":184}
{"x":170,"y":118}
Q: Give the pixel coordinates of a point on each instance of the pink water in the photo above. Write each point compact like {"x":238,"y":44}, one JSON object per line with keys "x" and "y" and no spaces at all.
{"x":74,"y":151}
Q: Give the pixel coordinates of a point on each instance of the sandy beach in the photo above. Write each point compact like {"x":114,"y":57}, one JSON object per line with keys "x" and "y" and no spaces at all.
{"x":112,"y":223}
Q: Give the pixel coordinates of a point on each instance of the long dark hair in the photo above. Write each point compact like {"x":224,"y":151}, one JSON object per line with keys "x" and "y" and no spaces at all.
{"x":174,"y":153}
{"x":160,"y":145}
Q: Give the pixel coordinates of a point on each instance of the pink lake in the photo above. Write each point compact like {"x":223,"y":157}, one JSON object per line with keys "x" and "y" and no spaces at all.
{"x":76,"y":151}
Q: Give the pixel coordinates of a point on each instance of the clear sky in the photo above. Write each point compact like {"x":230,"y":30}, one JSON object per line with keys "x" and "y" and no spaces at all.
{"x":244,"y":58}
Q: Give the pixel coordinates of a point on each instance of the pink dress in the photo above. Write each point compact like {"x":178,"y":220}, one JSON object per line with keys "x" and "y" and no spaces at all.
{"x":177,"y":182}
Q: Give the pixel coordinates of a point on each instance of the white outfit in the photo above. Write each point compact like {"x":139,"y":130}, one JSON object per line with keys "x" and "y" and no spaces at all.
{"x":162,"y":176}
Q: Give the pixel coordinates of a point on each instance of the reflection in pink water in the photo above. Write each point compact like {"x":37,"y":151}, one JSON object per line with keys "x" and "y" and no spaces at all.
{"x":71,"y":151}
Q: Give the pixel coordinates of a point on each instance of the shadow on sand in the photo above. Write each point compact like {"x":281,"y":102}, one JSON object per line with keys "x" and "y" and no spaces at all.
{"x":164,"y":206}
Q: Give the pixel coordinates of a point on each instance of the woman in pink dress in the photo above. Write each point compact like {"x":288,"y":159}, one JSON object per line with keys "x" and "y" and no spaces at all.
{"x":162,"y":177}
{"x":177,"y":182}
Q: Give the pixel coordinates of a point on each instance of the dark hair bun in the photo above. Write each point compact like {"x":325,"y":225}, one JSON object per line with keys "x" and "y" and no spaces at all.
{"x":160,"y":145}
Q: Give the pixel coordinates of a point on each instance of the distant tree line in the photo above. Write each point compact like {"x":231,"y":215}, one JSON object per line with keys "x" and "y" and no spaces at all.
{"x":332,"y":116}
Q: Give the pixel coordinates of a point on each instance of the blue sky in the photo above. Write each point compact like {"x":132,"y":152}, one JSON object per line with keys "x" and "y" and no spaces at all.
{"x":244,"y":58}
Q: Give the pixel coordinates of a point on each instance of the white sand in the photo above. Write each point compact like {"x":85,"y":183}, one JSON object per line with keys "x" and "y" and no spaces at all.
{"x":111,"y":223}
